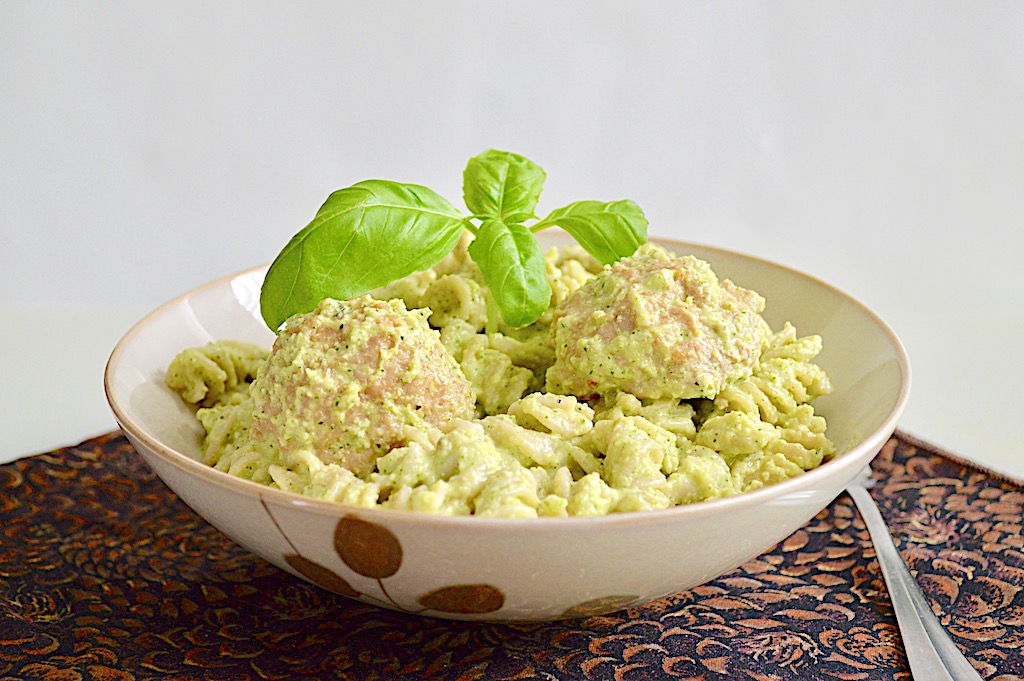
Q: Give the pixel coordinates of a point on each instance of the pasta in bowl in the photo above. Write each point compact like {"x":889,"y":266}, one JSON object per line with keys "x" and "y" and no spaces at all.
{"x":645,"y":385}
{"x":692,"y":472}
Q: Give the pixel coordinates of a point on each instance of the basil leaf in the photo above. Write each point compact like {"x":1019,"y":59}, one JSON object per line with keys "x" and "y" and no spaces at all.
{"x":512,"y":263}
{"x":608,"y":231}
{"x":502,"y":185}
{"x":363,"y":237}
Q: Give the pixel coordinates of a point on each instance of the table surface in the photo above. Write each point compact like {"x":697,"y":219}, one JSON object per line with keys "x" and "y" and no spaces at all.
{"x":104,"y":573}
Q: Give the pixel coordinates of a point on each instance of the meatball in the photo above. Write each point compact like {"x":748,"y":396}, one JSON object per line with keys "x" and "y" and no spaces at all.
{"x":345,"y":380}
{"x":656,"y":325}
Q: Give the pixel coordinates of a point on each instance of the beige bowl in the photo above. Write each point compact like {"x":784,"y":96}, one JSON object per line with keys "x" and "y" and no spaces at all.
{"x":503,"y":569}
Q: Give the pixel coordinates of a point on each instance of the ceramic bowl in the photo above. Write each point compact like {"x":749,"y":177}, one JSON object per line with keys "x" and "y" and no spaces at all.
{"x":505,"y":569}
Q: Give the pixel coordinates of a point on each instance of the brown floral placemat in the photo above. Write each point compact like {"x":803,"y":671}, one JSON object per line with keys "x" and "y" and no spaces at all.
{"x":106,"y":575}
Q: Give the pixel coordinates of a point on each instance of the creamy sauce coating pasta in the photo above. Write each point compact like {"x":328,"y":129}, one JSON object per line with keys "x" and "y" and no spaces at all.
{"x":645,"y":385}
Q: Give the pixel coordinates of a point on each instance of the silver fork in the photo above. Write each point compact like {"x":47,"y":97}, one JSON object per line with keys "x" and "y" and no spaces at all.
{"x":930,"y":651}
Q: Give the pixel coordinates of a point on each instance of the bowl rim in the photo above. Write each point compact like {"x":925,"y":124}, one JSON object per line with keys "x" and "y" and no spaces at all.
{"x":857,"y":457}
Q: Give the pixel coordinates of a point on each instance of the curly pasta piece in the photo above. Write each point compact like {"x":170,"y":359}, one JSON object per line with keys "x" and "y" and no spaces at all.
{"x":411,"y":289}
{"x":634,"y":451}
{"x":534,"y":352}
{"x":567,"y":270}
{"x":701,"y":474}
{"x":759,"y":469}
{"x":227,"y":429}
{"x":509,"y":493}
{"x":784,"y":378}
{"x":496,"y":381}
{"x":802,"y":438}
{"x":735,"y":434}
{"x":454,"y":297}
{"x":336,"y":483}
{"x":673,"y":415}
{"x":528,"y":447}
{"x":205,"y":374}
{"x":455,"y":336}
{"x":432,"y":499}
{"x":591,"y":496}
{"x":561,"y":415}
{"x":447,"y":477}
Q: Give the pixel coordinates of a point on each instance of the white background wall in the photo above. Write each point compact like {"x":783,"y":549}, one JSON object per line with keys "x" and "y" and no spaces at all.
{"x":146,"y":148}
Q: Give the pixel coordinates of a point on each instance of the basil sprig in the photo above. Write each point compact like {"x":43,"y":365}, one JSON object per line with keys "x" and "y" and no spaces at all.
{"x":378,"y":231}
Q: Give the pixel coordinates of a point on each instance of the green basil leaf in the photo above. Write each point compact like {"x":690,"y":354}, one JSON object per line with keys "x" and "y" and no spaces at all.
{"x":606,"y":230}
{"x":502,"y":185}
{"x":512,"y":263}
{"x":363,"y":237}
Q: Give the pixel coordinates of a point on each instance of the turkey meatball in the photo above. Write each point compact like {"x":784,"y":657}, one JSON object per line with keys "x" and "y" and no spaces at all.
{"x":343,"y":381}
{"x":656,"y":325}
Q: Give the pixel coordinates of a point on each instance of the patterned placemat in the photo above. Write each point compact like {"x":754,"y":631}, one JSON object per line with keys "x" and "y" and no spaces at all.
{"x":106,"y":575}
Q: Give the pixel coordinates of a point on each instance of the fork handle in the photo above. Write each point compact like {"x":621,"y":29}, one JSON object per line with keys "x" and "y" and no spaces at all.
{"x":930,"y":651}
